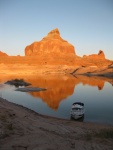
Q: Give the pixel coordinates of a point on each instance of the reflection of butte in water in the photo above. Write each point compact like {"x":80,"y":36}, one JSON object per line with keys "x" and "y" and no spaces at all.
{"x":60,"y":87}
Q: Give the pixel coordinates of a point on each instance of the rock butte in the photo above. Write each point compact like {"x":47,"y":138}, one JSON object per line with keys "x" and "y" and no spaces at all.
{"x":52,"y":43}
{"x":55,"y":55}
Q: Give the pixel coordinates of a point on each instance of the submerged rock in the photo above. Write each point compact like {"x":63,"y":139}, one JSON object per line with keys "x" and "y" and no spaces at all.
{"x":30,"y":89}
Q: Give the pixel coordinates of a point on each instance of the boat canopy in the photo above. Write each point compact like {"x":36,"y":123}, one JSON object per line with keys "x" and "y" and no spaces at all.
{"x":79,"y":103}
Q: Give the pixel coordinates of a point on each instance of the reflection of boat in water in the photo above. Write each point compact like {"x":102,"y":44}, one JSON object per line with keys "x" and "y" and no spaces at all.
{"x":81,"y":119}
{"x":77,"y":110}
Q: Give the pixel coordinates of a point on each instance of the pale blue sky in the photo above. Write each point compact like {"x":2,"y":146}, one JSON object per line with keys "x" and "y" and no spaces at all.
{"x":86,"y":24}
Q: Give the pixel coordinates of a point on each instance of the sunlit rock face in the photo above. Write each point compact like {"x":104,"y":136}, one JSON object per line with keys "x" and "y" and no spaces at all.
{"x":100,"y":55}
{"x":3,"y":54}
{"x":52,"y":43}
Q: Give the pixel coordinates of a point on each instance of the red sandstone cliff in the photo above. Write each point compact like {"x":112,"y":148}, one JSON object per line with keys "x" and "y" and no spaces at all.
{"x":3,"y":54}
{"x":51,"y":44}
{"x":100,"y":55}
{"x":55,"y":55}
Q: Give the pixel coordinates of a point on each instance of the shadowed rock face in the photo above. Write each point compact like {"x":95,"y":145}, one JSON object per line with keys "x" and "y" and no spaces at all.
{"x":3,"y":54}
{"x":52,"y":43}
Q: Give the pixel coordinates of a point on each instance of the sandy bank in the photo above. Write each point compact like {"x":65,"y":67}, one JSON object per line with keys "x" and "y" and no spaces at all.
{"x":23,"y":129}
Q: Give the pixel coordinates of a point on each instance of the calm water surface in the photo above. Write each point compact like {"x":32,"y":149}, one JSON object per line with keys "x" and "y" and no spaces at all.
{"x":62,"y":91}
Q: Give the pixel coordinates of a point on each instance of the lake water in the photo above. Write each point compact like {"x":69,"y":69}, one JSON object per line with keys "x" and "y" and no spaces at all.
{"x":62,"y":91}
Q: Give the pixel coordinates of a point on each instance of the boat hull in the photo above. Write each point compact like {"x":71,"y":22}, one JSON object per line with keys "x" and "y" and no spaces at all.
{"x":77,"y":110}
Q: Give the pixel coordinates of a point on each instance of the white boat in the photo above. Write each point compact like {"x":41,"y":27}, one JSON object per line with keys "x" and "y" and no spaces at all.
{"x":77,"y":110}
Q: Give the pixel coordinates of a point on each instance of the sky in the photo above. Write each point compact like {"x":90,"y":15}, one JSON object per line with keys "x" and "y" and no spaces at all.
{"x":86,"y":24}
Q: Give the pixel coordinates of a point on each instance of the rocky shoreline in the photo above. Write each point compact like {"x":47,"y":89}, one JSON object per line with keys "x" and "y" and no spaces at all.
{"x":23,"y":129}
{"x":106,"y":71}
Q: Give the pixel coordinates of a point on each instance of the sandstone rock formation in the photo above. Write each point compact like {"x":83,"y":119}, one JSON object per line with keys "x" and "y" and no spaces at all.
{"x":3,"y":54}
{"x":56,"y":56}
{"x":100,"y":55}
{"x":51,"y":44}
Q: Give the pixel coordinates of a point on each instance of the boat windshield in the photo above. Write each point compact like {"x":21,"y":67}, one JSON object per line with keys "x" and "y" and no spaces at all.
{"x":76,"y":108}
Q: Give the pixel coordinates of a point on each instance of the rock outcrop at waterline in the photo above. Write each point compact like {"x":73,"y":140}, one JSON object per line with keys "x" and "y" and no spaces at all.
{"x":52,"y":43}
{"x":17,"y":82}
